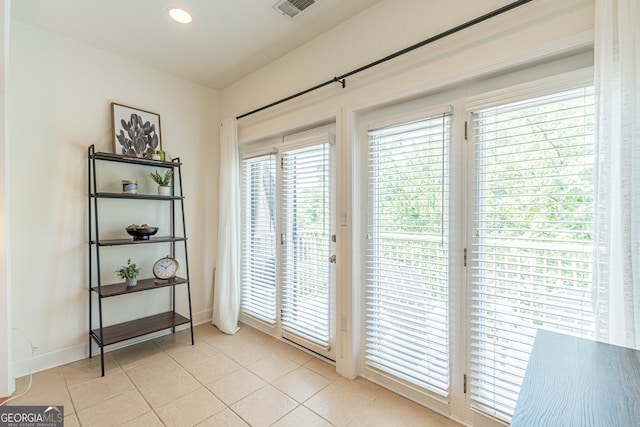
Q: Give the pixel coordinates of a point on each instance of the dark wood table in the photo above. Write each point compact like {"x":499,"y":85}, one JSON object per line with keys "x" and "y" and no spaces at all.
{"x":577,"y":382}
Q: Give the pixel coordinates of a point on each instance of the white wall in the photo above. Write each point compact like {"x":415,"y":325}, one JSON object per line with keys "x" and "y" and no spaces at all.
{"x":61,"y":93}
{"x":6,"y":376}
{"x":385,"y":28}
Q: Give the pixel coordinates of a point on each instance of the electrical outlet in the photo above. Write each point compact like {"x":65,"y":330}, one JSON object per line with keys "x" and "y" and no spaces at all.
{"x":34,"y":349}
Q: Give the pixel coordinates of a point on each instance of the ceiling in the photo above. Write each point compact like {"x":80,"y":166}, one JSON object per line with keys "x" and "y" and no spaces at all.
{"x":227,"y":40}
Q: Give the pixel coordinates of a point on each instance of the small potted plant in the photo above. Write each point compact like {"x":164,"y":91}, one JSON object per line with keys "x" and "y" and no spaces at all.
{"x":163,"y":182}
{"x":129,"y":273}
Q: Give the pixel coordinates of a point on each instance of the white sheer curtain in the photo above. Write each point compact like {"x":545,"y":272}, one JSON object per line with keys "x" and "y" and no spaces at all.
{"x":226,"y":294}
{"x":617,"y":178}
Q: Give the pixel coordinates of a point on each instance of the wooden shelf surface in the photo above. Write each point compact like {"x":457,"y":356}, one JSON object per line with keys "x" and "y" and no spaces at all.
{"x":130,"y":241}
{"x":143,"y":285}
{"x":147,"y":162}
{"x":137,"y":328}
{"x":105,"y":195}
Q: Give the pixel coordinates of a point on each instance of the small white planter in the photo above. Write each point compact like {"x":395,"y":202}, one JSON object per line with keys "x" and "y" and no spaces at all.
{"x":132,"y":281}
{"x":164,"y":191}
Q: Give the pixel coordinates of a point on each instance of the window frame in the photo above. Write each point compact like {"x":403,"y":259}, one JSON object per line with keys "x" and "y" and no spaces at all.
{"x":522,"y":92}
{"x":378,"y":238}
{"x":389,"y":116}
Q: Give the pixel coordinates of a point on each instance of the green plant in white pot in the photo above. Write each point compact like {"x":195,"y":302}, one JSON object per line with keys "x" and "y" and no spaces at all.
{"x":163,"y":181}
{"x":129,"y":273}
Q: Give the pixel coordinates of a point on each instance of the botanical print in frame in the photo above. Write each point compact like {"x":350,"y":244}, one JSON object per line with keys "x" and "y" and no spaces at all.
{"x":136,"y":133}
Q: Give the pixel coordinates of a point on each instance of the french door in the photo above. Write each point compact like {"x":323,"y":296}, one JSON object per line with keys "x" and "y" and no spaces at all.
{"x":407,"y":262}
{"x":457,"y":285}
{"x":288,"y":243}
{"x":531,"y":240}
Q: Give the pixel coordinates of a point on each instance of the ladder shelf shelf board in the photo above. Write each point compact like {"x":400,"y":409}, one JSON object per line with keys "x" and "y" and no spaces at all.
{"x":123,"y":159}
{"x":135,"y":196}
{"x":130,"y":241}
{"x":138,"y":327}
{"x":106,"y":291}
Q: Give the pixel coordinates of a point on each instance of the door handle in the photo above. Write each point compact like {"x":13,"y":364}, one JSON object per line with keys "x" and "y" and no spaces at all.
{"x":332,"y":259}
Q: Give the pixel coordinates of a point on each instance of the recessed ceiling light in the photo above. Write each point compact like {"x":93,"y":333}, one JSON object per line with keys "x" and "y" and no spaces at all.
{"x":180,"y":15}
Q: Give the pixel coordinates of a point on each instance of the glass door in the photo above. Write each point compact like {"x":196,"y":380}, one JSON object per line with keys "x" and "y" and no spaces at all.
{"x":307,"y":248}
{"x":288,"y":242}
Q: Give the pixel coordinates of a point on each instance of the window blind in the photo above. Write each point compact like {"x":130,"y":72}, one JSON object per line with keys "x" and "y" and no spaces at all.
{"x":306,"y":289}
{"x":407,"y":265}
{"x":532,"y":245}
{"x":258,"y":297}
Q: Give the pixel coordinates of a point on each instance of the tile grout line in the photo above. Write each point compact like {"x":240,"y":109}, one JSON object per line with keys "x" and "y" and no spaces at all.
{"x":212,"y":393}
{"x":152,"y":409}
{"x":204,"y":385}
{"x":188,"y":373}
{"x":270,"y":383}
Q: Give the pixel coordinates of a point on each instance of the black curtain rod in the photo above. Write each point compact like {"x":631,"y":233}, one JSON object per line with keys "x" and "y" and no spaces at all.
{"x":342,"y":78}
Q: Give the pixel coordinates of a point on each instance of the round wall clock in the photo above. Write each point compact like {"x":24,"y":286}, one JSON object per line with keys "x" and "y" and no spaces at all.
{"x":165,"y":268}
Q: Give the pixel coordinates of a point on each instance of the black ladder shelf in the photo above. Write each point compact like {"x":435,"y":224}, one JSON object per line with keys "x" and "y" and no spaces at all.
{"x":112,"y":334}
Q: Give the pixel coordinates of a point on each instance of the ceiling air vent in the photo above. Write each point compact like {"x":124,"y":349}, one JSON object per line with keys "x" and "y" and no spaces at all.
{"x":293,"y":8}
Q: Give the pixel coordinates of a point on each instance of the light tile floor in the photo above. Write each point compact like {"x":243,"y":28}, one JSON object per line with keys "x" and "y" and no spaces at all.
{"x":223,"y":380}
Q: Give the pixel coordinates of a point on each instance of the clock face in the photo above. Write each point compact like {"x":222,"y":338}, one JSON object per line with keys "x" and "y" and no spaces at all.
{"x":165,"y":268}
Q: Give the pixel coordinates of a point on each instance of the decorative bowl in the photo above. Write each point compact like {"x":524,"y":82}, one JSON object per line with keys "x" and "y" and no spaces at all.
{"x":141,"y":232}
